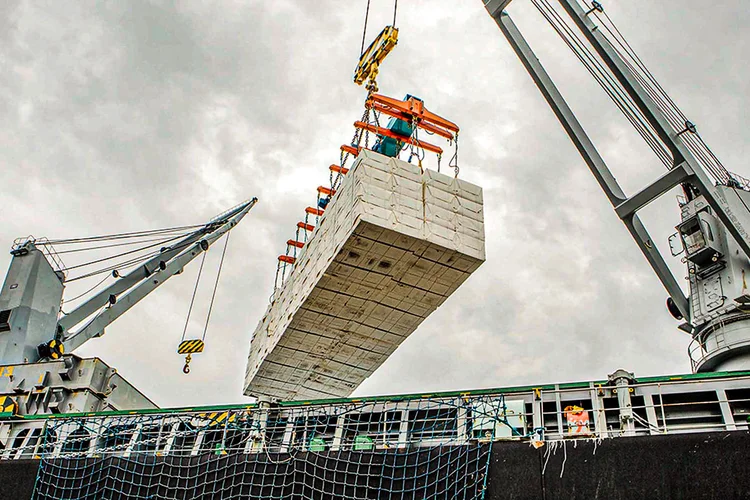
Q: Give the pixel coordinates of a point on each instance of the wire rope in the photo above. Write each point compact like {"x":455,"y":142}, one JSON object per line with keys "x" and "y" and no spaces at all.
{"x":364,"y":30}
{"x":605,"y":80}
{"x":116,"y":236}
{"x":128,"y":263}
{"x":192,"y":299}
{"x":86,"y":292}
{"x":113,"y":245}
{"x":216,"y":285}
{"x":129,"y":252}
{"x":672,"y":112}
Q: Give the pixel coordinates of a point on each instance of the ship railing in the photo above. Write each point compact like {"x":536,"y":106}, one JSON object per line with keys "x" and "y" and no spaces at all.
{"x":540,"y":414}
{"x":45,"y":246}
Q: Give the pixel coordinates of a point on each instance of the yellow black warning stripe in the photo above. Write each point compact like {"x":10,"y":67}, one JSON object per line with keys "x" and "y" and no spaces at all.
{"x":56,"y":349}
{"x":217,"y":418}
{"x":190,"y":346}
{"x":8,"y":405}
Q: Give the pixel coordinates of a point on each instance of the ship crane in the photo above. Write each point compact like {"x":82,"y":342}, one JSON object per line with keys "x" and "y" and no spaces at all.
{"x":35,"y":333}
{"x":715,"y":218}
{"x":32,"y":294}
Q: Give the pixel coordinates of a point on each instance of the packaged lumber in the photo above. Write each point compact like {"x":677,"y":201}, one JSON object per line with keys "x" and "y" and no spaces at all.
{"x":393,"y":245}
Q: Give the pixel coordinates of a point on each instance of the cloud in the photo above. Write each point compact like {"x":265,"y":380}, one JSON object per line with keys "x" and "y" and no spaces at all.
{"x":138,"y":115}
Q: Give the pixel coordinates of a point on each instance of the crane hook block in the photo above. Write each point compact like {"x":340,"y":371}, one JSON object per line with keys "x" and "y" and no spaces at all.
{"x":373,"y":56}
{"x":191,"y":346}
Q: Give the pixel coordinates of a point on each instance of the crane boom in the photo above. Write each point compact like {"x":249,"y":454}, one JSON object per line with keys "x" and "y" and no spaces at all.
{"x":588,"y":151}
{"x":31,"y":296}
{"x":715,"y":216}
{"x":146,"y":278}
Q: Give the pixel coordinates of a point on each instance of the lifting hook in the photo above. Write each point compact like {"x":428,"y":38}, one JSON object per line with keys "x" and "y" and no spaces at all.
{"x":186,"y":368}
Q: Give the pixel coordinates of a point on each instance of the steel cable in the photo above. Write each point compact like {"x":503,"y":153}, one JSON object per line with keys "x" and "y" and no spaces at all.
{"x":606,"y":81}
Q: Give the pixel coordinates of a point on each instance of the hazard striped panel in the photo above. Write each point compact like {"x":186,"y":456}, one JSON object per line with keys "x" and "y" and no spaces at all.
{"x":8,"y":406}
{"x":190,"y":346}
{"x":56,"y":349}
{"x":218,"y":417}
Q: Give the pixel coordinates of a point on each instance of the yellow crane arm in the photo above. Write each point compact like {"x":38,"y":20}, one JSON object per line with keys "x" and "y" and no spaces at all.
{"x":367,"y":69}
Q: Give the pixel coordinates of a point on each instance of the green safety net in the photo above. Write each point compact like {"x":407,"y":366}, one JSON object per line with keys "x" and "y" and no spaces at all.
{"x":423,"y":448}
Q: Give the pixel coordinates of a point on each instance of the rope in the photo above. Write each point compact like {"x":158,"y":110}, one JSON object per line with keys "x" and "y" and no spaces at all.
{"x":676,"y":119}
{"x":605,"y":80}
{"x":674,"y":115}
{"x":216,"y":285}
{"x":395,"y":8}
{"x":192,"y":299}
{"x":118,"y":266}
{"x":87,"y":291}
{"x":128,"y":263}
{"x":129,"y":252}
{"x":117,"y":236}
{"x":364,"y":30}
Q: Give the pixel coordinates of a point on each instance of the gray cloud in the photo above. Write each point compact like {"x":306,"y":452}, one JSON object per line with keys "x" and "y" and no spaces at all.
{"x":122,"y":116}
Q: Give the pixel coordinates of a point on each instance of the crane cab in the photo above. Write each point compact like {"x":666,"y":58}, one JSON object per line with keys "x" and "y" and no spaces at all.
{"x":700,"y":239}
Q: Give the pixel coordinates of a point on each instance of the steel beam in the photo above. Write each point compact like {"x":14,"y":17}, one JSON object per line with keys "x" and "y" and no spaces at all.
{"x":128,"y":281}
{"x":673,"y":178}
{"x":596,"y":164}
{"x":668,"y":135}
{"x":96,"y":326}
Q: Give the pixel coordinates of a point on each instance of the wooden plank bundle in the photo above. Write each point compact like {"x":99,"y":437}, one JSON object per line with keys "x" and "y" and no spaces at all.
{"x":393,"y":245}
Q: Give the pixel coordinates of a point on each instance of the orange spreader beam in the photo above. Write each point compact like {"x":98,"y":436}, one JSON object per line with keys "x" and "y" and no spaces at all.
{"x":287,"y":259}
{"x":306,"y":227}
{"x":338,"y":169}
{"x":413,"y":110}
{"x":295,"y":243}
{"x":387,"y":133}
{"x":350,"y":149}
{"x":314,"y":211}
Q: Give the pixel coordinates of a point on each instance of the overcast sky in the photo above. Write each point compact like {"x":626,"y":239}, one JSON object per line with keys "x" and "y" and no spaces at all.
{"x":123,"y":116}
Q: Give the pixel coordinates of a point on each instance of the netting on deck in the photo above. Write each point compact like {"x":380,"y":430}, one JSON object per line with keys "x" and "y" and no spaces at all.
{"x":423,"y":448}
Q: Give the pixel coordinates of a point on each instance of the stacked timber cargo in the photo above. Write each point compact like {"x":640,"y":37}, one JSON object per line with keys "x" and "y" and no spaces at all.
{"x":395,"y":242}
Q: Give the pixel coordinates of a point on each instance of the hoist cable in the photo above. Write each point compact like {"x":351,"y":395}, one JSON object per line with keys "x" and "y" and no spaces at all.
{"x":128,"y":263}
{"x":395,"y":8}
{"x":216,"y":285}
{"x":629,"y":49}
{"x":116,"y":236}
{"x":364,"y":30}
{"x":674,"y":115}
{"x":606,"y":81}
{"x":671,"y":112}
{"x":655,"y":97}
{"x":594,"y":67}
{"x":610,"y":86}
{"x":117,"y":266}
{"x":112,"y":245}
{"x":129,"y":252}
{"x":86,"y":292}
{"x":192,"y":299}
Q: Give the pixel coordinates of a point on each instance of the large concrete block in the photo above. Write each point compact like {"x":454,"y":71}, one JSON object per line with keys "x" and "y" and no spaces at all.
{"x":393,"y":244}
